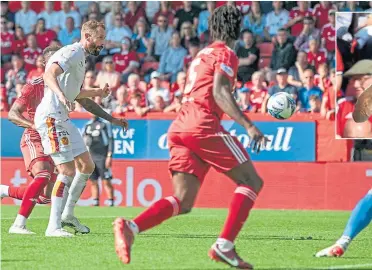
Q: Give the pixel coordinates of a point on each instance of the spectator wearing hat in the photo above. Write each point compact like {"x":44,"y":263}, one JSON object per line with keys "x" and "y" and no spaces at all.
{"x":194,"y":48}
{"x":126,"y":61}
{"x":248,"y":55}
{"x":160,"y":37}
{"x":284,"y":54}
{"x":308,"y":32}
{"x":328,"y":35}
{"x":115,"y":35}
{"x":50,"y":17}
{"x":276,"y":19}
{"x":70,"y":33}
{"x":282,"y":85}
{"x":108,"y":75}
{"x":171,"y":62}
{"x":7,"y":41}
{"x":26,"y":18}
{"x":157,"y":90}
{"x":309,"y":89}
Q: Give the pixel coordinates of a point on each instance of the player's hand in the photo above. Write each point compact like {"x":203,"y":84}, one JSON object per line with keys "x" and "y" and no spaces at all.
{"x":257,"y":139}
{"x":106,"y":91}
{"x":108,"y":162}
{"x":70,"y":106}
{"x":121,"y":123}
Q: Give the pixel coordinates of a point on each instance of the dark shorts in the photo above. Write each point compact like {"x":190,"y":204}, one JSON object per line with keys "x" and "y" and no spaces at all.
{"x":101,"y":171}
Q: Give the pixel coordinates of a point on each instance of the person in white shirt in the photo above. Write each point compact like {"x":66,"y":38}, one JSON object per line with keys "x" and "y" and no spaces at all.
{"x":276,"y":19}
{"x":63,"y":78}
{"x":116,"y":35}
{"x":364,"y":34}
{"x":68,"y":12}
{"x":156,"y":90}
{"x":26,"y":18}
{"x":50,"y":16}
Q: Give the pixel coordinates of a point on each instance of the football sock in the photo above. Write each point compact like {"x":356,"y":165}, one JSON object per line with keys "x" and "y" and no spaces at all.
{"x":160,"y":211}
{"x":74,"y":193}
{"x":57,"y":201}
{"x":96,"y":202}
{"x":360,"y":217}
{"x":32,"y":193}
{"x":111,"y":202}
{"x":241,"y":204}
{"x":16,"y":192}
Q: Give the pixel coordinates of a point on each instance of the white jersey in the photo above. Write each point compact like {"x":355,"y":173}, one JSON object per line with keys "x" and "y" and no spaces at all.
{"x":71,"y":59}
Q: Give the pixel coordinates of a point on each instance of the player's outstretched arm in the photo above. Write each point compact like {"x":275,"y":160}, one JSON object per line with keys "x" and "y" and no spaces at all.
{"x":363,"y":107}
{"x":93,"y":92}
{"x":15,"y":116}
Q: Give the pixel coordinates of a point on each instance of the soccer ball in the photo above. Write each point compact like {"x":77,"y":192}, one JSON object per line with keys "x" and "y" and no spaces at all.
{"x":281,"y":105}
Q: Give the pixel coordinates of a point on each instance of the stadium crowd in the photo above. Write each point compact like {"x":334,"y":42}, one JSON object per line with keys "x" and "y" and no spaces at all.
{"x":284,"y":46}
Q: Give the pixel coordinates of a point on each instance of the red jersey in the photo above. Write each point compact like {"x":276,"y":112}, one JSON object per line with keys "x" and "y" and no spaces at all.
{"x":326,"y":81}
{"x":31,"y":95}
{"x":339,"y":63}
{"x":19,"y":45}
{"x":7,"y":40}
{"x":29,"y":56}
{"x":200,"y":112}
{"x":43,"y":39}
{"x":320,"y":13}
{"x":34,"y":74}
{"x":329,"y":35}
{"x":315,"y":59}
{"x":296,"y":12}
{"x":256,"y":98}
{"x":122,"y":60}
{"x":131,"y":19}
{"x":187,"y":61}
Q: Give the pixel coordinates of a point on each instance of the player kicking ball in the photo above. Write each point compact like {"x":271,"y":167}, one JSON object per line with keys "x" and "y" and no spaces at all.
{"x":361,"y":215}
{"x":64,"y":75}
{"x":197,"y":141}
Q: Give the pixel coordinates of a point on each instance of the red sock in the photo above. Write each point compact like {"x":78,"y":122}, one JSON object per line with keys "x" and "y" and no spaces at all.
{"x":241,"y":204}
{"x":32,"y":193}
{"x":157,"y":213}
{"x":16,"y":192}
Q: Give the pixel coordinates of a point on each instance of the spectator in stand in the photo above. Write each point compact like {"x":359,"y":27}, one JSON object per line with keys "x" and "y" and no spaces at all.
{"x":315,"y":104}
{"x":67,"y":12}
{"x":282,"y":85}
{"x":110,"y":17}
{"x":255,"y":21}
{"x":38,"y":71}
{"x":20,"y":40}
{"x":243,"y":98}
{"x":10,"y":16}
{"x":141,"y":36}
{"x":186,"y":14}
{"x":161,"y":35}
{"x":248,"y":55}
{"x":351,"y":6}
{"x":321,"y":79}
{"x":135,"y":12}
{"x":321,"y":13}
{"x":316,"y":55}
{"x":308,"y":32}
{"x":115,"y":35}
{"x":93,"y":8}
{"x":257,"y":93}
{"x":159,"y":104}
{"x":329,"y":97}
{"x":50,"y":17}
{"x":328,"y":35}
{"x":296,"y":72}
{"x":204,"y":16}
{"x":7,"y":41}
{"x":70,"y":33}
{"x":151,"y":8}
{"x":89,"y":79}
{"x":176,"y":105}
{"x":136,"y":105}
{"x":157,"y":90}
{"x":14,"y":76}
{"x":276,"y":20}
{"x":166,"y":11}
{"x":119,"y":105}
{"x":180,"y":84}
{"x":309,"y":89}
{"x":284,"y":53}
{"x":44,"y":36}
{"x":108,"y":75}
{"x":194,"y":47}
{"x":31,"y":53}
{"x":26,"y":18}
{"x":134,"y":87}
{"x":55,"y":43}
{"x":187,"y":33}
{"x":126,"y":61}
{"x":296,"y":15}
{"x":92,"y":17}
{"x":171,"y":62}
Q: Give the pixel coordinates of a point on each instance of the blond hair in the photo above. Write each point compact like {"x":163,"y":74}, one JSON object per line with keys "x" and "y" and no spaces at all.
{"x":92,"y":26}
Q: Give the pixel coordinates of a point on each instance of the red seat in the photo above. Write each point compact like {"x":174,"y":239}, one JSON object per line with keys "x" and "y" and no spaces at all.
{"x":264,"y":62}
{"x":266,"y":49}
{"x":149,"y":65}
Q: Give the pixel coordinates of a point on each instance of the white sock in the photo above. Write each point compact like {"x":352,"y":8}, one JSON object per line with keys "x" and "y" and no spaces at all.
{"x":224,"y":244}
{"x":65,"y":196}
{"x":20,"y":220}
{"x":4,"y":191}
{"x":77,"y":187}
{"x":133,"y":226}
{"x":57,"y":202}
{"x":344,"y":241}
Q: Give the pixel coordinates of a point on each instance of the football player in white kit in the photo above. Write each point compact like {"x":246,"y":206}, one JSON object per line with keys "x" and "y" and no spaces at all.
{"x":64,"y":75}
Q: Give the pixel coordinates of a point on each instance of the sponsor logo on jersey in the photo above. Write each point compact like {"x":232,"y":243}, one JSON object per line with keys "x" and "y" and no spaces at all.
{"x":65,"y":141}
{"x":227,"y":69}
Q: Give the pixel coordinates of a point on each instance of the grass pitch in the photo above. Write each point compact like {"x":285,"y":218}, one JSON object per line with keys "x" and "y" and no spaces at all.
{"x":269,"y":240}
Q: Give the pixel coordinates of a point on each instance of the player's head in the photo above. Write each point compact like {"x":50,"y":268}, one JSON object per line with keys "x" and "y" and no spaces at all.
{"x":49,"y":51}
{"x":93,"y":35}
{"x":224,"y":24}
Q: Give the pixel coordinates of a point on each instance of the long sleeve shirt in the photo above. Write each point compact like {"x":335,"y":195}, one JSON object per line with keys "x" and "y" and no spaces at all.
{"x":283,"y":56}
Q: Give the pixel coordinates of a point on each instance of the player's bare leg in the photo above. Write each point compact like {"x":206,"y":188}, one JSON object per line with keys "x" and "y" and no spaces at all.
{"x":186,"y":187}
{"x":249,"y":185}
{"x":42,"y":171}
{"x":109,"y":190}
{"x":84,"y":168}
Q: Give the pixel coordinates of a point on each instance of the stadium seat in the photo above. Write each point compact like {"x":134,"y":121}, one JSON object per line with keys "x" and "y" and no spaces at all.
{"x":149,"y":65}
{"x":264,"y":62}
{"x":266,"y":49}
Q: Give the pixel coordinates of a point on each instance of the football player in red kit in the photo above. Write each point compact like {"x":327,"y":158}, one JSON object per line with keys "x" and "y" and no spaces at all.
{"x":38,"y":165}
{"x":197,"y":141}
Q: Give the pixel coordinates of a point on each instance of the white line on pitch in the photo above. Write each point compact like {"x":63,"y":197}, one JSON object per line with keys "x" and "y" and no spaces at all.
{"x":346,"y":266}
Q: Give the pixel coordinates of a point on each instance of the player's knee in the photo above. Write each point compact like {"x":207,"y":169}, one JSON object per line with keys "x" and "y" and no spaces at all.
{"x":67,"y":170}
{"x":87,"y":167}
{"x":107,"y":183}
{"x":185,"y":206}
{"x":255,"y":182}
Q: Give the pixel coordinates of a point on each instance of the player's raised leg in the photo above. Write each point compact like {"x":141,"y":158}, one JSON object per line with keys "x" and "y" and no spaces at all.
{"x":360,"y":217}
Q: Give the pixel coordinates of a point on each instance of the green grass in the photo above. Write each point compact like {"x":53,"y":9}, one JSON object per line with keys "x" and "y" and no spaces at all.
{"x":269,"y":240}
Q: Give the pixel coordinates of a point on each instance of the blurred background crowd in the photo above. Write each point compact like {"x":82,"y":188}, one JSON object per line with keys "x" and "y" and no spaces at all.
{"x":284,"y":46}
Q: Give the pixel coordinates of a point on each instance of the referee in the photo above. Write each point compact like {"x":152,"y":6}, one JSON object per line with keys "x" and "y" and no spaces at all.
{"x":98,"y":137}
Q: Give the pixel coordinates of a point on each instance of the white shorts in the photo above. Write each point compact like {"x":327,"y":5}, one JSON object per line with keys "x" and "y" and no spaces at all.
{"x":60,"y":139}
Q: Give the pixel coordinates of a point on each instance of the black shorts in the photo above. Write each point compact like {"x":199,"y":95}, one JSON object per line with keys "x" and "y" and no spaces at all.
{"x":100,"y":171}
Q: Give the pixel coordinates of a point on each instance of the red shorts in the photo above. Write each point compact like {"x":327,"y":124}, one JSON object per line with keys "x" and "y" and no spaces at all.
{"x":196,"y":153}
{"x":32,"y":151}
